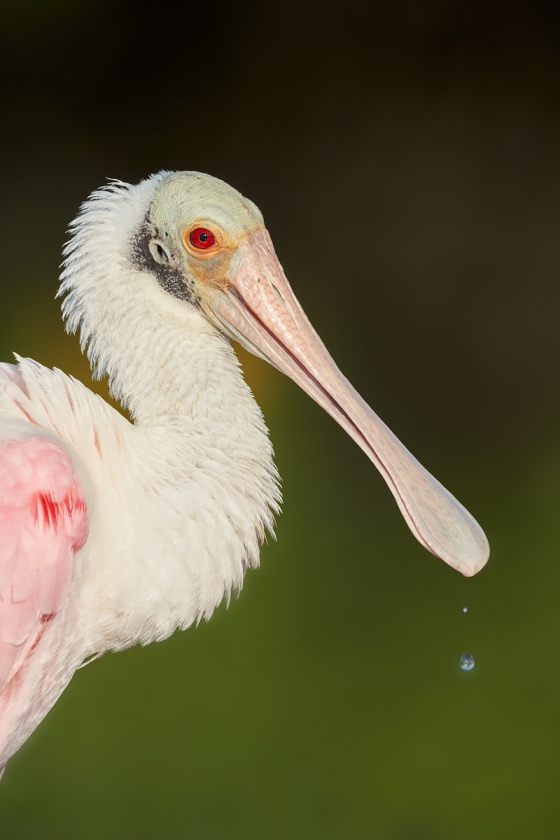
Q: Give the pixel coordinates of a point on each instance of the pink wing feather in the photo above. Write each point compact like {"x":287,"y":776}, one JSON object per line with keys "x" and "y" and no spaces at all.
{"x":43,"y":522}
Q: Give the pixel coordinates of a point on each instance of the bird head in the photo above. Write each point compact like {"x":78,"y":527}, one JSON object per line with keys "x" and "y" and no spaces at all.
{"x":208,"y":247}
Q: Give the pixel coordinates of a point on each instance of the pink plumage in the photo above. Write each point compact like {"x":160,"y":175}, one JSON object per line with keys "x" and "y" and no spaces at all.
{"x":43,"y":522}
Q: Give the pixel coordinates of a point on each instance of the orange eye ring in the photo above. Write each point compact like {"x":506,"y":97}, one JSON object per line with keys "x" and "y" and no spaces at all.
{"x":202,"y":238}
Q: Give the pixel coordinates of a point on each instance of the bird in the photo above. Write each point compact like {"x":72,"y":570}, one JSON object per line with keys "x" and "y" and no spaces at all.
{"x":115,"y":531}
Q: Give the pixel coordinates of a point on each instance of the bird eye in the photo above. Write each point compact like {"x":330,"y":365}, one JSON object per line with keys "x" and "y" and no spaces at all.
{"x":202,"y":238}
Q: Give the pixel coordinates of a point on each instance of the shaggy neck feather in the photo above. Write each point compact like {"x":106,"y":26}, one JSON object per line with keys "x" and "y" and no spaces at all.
{"x":162,"y":357}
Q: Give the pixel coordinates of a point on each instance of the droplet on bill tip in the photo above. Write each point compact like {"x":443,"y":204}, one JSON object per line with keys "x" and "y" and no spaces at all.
{"x":466,"y":662}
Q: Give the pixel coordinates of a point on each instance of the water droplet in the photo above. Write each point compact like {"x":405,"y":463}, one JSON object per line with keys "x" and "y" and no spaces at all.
{"x":466,"y":662}
{"x":465,"y":609}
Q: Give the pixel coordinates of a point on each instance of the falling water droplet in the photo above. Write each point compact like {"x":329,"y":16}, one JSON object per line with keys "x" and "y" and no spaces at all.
{"x":465,"y":609}
{"x":466,"y":662}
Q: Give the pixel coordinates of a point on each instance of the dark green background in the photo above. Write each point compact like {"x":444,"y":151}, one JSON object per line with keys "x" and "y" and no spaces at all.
{"x":406,"y":156}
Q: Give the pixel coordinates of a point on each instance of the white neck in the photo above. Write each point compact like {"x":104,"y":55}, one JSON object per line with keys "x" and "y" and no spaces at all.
{"x":182,"y":384}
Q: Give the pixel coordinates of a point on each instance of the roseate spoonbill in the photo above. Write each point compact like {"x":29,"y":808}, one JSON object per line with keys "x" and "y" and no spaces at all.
{"x":114,"y":533}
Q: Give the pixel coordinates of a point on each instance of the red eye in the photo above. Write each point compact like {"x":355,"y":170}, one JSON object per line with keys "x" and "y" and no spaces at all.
{"x":202,"y":238}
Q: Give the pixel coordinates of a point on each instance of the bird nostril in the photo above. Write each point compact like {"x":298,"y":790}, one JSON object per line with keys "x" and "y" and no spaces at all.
{"x":277,"y":292}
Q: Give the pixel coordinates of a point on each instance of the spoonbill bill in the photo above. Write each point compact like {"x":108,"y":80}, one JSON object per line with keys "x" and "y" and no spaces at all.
{"x":114,"y":533}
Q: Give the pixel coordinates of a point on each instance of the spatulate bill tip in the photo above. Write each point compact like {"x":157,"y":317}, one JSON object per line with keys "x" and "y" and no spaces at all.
{"x":471,"y":563}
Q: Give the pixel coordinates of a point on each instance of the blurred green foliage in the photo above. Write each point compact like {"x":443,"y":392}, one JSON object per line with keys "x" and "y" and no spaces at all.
{"x":406,"y":159}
